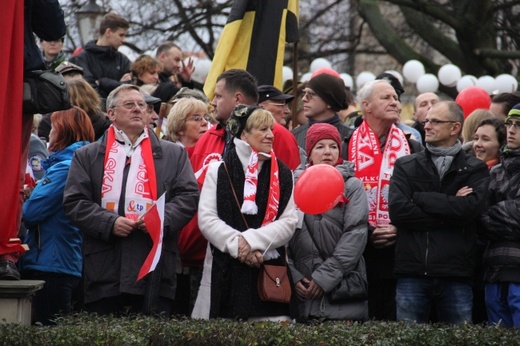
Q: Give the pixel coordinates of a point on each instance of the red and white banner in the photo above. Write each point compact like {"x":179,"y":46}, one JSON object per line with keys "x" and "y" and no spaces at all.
{"x":154,"y":221}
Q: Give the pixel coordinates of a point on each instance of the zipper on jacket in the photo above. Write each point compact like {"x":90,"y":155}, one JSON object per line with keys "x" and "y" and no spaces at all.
{"x":426,"y":253}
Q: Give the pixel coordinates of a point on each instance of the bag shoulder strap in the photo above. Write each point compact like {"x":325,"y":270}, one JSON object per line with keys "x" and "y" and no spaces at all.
{"x":234,"y":193}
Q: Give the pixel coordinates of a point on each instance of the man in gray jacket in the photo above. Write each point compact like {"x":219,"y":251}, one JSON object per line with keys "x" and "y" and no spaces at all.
{"x":111,"y":184}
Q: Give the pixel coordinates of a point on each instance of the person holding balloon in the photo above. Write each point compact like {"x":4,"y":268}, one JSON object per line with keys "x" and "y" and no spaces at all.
{"x":329,"y":244}
{"x":247,"y":214}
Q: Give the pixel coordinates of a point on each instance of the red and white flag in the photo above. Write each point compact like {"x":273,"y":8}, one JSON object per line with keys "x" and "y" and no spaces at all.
{"x":154,"y":221}
{"x":29,"y":176}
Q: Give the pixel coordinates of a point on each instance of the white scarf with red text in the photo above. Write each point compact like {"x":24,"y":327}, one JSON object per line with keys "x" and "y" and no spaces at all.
{"x":141,"y":185}
{"x":374,"y":168}
{"x":250,"y":186}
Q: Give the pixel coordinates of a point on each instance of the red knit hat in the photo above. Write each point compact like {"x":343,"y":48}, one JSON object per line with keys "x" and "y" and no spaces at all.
{"x":319,"y":131}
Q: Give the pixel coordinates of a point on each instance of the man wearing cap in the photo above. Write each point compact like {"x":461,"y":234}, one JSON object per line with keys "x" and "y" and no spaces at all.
{"x":435,"y":200}
{"x":323,"y":98}
{"x":502,"y":227}
{"x":153,"y":105}
{"x":275,"y":101}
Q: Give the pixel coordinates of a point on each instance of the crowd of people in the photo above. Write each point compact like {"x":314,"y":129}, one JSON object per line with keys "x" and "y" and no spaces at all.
{"x":426,"y":229}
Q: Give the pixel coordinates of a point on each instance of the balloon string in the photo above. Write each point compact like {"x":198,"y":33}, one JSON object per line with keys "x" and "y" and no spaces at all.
{"x":268,"y":246}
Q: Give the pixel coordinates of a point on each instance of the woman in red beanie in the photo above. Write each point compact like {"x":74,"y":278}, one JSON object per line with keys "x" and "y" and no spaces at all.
{"x":329,"y":246}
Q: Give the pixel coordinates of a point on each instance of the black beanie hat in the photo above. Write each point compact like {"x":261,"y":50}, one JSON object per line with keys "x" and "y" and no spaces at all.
{"x":331,"y":89}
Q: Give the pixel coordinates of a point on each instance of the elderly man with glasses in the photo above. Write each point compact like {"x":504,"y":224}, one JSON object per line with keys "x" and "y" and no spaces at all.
{"x":111,"y":185}
{"x":436,"y":198}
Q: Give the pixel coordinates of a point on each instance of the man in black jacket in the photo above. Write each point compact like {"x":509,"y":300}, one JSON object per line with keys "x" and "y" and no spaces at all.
{"x":104,"y":67}
{"x":435,"y":198}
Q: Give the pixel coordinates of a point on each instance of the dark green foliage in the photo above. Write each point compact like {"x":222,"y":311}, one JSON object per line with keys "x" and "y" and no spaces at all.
{"x":82,"y":329}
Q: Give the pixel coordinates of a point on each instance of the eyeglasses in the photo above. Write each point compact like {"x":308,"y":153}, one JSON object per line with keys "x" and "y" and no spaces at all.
{"x":309,"y":94}
{"x":199,"y":118}
{"x":515,"y":124}
{"x":132,"y":104}
{"x":435,"y":122}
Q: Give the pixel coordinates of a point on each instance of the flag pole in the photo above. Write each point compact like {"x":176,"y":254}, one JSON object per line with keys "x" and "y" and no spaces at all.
{"x":294,"y":104}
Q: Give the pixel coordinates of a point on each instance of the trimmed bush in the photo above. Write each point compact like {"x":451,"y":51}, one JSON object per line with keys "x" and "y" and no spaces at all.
{"x":83,"y":329}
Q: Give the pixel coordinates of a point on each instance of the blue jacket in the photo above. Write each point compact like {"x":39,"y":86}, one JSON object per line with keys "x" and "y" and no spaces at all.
{"x":59,"y":249}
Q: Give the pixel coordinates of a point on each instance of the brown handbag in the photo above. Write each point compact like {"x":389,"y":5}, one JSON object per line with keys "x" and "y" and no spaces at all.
{"x":273,"y":282}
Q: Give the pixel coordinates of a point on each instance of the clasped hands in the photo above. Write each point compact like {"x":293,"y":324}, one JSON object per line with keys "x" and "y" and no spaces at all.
{"x":245,"y":255}
{"x":308,"y":289}
{"x":124,"y":226}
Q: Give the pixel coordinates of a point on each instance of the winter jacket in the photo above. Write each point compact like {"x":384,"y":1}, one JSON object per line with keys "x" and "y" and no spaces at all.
{"x":103,"y":67}
{"x":341,"y":233}
{"x":111,"y":263}
{"x":436,"y":230}
{"x":54,"y":242}
{"x":501,"y":221}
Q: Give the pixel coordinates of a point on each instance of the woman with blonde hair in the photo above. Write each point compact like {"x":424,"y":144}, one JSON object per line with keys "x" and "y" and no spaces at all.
{"x":247,"y":214}
{"x":187,"y":121}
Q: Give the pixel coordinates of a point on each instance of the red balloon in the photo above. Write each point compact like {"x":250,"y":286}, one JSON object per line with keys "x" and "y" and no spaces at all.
{"x":318,"y":189}
{"x":326,"y":70}
{"x":473,"y":98}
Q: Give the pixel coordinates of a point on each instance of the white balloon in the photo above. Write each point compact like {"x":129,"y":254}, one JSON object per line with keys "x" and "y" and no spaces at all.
{"x":449,"y":75}
{"x":427,"y":83}
{"x":412,"y":70}
{"x":319,"y":63}
{"x":465,"y":82}
{"x":364,"y":77}
{"x":287,"y":74}
{"x":396,"y":75}
{"x":487,"y":83}
{"x":202,"y":67}
{"x":506,"y":83}
{"x":347,"y":79}
{"x":306,"y":77}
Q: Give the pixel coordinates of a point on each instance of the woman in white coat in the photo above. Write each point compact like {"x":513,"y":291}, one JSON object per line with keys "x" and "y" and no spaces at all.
{"x":247,"y":214}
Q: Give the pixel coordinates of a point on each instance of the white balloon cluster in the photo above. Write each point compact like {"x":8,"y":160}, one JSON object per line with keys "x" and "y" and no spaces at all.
{"x":414,"y":72}
{"x":316,"y":64}
{"x":451,"y":76}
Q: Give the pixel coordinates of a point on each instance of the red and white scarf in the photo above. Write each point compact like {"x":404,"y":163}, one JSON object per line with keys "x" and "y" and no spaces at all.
{"x":141,"y":184}
{"x":250,"y":186}
{"x":374,"y":168}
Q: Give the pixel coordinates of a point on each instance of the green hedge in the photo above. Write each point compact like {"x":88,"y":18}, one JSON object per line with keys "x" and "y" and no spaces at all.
{"x":82,"y":329}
